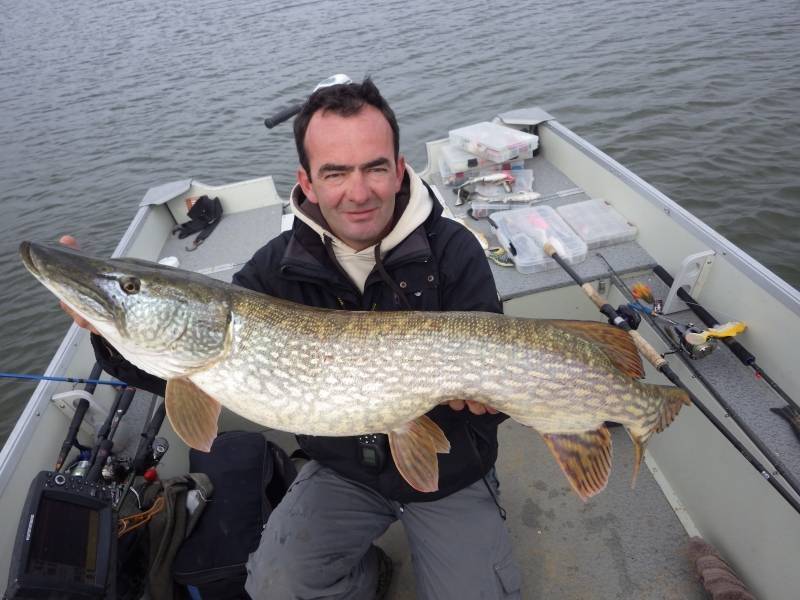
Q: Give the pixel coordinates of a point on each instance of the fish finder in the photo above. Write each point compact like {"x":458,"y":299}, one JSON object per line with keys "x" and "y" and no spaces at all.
{"x":66,"y":541}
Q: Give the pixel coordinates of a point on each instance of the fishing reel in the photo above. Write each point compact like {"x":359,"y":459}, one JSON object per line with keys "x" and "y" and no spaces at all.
{"x":689,"y":339}
{"x":116,"y":469}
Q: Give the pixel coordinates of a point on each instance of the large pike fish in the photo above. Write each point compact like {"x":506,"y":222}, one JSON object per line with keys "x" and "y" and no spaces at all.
{"x":339,"y":373}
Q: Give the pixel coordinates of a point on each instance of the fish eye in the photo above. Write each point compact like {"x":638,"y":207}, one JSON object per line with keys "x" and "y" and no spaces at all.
{"x":130,"y":285}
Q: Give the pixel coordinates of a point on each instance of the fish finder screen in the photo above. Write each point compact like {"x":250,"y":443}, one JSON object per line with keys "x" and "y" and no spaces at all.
{"x":64,"y":541}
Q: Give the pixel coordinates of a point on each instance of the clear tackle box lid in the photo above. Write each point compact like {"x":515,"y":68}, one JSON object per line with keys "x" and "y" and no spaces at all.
{"x":494,"y":142}
{"x":597,"y":223}
{"x":524,"y":231}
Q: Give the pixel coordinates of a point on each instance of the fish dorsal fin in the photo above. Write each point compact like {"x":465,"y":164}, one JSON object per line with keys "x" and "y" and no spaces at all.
{"x":192,"y":413}
{"x":613,"y":341}
{"x":585,"y":458}
{"x":414,"y":449}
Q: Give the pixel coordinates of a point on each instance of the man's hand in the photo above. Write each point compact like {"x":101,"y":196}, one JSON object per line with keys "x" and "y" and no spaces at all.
{"x":71,"y":242}
{"x":476,"y":408}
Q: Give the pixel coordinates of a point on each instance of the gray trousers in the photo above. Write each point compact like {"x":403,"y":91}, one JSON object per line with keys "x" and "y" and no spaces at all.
{"x":318,"y":543}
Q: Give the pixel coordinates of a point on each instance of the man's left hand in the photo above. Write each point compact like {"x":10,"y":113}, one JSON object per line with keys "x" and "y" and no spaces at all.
{"x":476,"y":408}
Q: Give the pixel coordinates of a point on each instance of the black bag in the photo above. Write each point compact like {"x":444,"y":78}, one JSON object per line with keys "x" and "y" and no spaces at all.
{"x":204,"y":216}
{"x":250,"y":475}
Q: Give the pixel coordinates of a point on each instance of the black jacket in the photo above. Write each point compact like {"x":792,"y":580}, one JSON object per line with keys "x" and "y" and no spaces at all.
{"x":439,"y":266}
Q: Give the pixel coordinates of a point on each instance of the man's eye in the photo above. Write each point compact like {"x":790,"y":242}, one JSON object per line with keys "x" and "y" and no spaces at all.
{"x":333,"y":176}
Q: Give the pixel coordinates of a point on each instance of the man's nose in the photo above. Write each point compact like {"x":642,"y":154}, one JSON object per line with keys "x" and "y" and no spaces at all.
{"x":359,"y":189}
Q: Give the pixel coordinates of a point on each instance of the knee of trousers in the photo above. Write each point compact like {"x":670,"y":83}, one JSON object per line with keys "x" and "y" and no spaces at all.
{"x":293,"y":556}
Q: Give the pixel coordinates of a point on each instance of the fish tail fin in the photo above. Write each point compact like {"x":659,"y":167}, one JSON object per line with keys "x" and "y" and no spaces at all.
{"x":672,"y":400}
{"x":585,"y":458}
{"x":414,"y":448}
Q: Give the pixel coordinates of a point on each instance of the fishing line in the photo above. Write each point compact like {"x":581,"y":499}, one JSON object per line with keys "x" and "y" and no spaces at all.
{"x":63,"y":379}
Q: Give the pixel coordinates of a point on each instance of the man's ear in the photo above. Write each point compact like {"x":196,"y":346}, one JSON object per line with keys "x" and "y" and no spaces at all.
{"x":401,"y":171}
{"x":305,"y":184}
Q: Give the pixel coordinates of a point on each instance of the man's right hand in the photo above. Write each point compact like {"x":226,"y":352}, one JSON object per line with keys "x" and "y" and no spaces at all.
{"x":71,"y":242}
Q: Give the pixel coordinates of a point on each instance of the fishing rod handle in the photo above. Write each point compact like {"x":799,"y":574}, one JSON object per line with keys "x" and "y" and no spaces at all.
{"x":77,"y":419}
{"x":706,"y":317}
{"x":284,"y":115}
{"x":144,"y":450}
{"x":594,"y":296}
{"x":97,"y":370}
{"x":99,"y":461}
{"x":72,"y":432}
{"x":644,"y":347}
{"x":647,"y":350}
{"x":125,"y":401}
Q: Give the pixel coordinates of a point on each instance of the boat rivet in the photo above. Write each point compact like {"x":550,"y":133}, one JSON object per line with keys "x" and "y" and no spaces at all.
{"x":666,"y":211}
{"x":430,"y":278}
{"x":403,"y":284}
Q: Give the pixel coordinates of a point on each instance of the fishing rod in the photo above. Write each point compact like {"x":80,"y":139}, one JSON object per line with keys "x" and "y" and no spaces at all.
{"x":104,"y":445}
{"x":297,"y":106}
{"x":781,"y":469}
{"x":660,"y":363}
{"x":80,"y":411}
{"x":738,"y":350}
{"x":89,"y":381}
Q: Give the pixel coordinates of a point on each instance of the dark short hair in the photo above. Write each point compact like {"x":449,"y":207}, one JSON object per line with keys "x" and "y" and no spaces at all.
{"x":344,"y":100}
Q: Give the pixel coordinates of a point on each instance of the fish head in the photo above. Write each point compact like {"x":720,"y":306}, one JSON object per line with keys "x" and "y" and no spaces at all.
{"x":166,"y":321}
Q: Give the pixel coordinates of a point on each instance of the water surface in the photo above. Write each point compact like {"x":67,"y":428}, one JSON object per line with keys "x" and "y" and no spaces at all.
{"x":101,"y":100}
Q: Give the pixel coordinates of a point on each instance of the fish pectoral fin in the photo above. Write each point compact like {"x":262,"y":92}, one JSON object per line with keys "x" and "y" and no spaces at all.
{"x":414,"y":449}
{"x":192,"y":413}
{"x":585,"y":458}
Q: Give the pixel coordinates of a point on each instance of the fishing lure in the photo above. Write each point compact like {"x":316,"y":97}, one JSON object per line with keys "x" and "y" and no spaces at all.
{"x":505,"y":179}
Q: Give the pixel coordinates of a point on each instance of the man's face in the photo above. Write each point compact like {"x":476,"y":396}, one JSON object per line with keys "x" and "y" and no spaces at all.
{"x":354,"y":176}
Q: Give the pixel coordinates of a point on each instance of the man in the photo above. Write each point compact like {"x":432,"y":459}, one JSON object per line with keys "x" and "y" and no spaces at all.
{"x":369,"y":235}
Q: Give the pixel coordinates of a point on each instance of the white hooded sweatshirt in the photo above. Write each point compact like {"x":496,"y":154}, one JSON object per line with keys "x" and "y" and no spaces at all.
{"x":359,"y":264}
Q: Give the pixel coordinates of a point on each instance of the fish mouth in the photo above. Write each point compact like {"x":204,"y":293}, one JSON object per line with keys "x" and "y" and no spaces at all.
{"x":69,"y":275}
{"x":27,"y":258}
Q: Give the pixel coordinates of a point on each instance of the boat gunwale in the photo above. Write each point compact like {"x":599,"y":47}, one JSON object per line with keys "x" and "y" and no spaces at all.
{"x":761,"y":275}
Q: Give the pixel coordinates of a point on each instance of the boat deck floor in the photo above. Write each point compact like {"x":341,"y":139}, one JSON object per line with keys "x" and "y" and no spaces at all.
{"x":623,"y":543}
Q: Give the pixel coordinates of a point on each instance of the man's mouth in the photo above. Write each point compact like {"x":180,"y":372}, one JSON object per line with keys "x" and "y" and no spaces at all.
{"x":360,"y":214}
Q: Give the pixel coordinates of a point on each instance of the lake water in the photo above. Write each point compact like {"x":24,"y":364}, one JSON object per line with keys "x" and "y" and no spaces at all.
{"x":101,"y":100}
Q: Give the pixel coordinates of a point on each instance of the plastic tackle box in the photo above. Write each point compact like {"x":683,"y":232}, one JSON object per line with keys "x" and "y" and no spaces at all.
{"x":524,"y":231}
{"x":494,"y":142}
{"x":597,"y":223}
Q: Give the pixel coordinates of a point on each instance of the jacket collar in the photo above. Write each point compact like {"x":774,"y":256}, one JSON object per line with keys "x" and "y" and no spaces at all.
{"x":306,"y":257}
